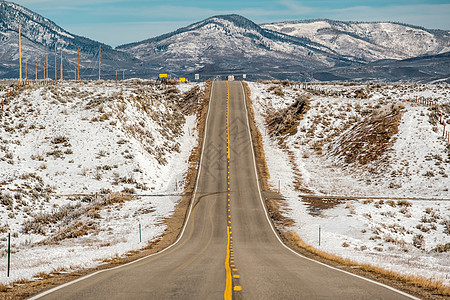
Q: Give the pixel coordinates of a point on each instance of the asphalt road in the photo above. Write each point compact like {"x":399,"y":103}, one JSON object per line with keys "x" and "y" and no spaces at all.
{"x":228,"y":247}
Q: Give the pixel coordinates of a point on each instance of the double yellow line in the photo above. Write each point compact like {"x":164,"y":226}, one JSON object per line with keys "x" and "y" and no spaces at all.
{"x":229,"y":260}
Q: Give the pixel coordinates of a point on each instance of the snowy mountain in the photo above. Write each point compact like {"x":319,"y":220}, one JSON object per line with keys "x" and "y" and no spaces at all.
{"x":39,"y":36}
{"x":427,"y":68}
{"x":232,"y":43}
{"x":368,"y":41}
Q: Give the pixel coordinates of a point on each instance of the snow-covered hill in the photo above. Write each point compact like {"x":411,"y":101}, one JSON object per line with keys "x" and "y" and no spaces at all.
{"x":79,"y":165}
{"x":361,"y":148}
{"x":368,"y":41}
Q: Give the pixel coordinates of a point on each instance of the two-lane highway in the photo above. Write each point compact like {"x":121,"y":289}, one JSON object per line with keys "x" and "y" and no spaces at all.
{"x":228,"y":247}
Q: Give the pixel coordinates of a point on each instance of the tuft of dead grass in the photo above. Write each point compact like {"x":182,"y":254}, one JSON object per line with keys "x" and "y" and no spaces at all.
{"x":3,"y":288}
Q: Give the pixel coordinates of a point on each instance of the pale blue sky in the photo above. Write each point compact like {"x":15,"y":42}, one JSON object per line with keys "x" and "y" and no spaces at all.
{"x":116,"y":22}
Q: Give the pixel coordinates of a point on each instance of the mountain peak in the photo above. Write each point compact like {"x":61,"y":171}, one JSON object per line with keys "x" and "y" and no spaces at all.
{"x":237,"y":20}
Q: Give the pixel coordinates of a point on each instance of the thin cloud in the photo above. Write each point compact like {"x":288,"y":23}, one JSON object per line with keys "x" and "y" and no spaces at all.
{"x":293,"y":7}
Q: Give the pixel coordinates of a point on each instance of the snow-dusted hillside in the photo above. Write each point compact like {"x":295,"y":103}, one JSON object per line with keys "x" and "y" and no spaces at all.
{"x":79,"y":163}
{"x":39,"y":36}
{"x":230,"y":42}
{"x":368,"y":209}
{"x":369,"y":41}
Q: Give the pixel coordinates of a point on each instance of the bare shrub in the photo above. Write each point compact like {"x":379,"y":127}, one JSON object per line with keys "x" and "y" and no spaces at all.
{"x":4,"y":228}
{"x":98,"y":174}
{"x":442,"y":248}
{"x":60,"y":140}
{"x":419,"y":241}
{"x":428,"y":174}
{"x":40,"y":221}
{"x":404,"y":210}
{"x":6,"y":199}
{"x":391,"y":203}
{"x":422,"y":228}
{"x":128,"y":190}
{"x":389,"y":239}
{"x":84,"y":171}
{"x":404,"y":203}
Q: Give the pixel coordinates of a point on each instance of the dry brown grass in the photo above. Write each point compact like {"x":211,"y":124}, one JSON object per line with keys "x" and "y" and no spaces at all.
{"x":433,"y":286}
{"x":261,"y":164}
{"x":274,"y":207}
{"x":3,"y":288}
{"x":285,"y":121}
{"x":366,"y":142}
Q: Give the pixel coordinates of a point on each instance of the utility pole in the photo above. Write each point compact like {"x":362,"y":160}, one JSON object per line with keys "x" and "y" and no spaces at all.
{"x":46,"y":67}
{"x":26,"y":70}
{"x":61,"y":76}
{"x":56,"y":68}
{"x":78,"y":56}
{"x":123,"y":75}
{"x":99,"y":61}
{"x":20,"y":56}
{"x":36,"y":67}
{"x":116,"y":76}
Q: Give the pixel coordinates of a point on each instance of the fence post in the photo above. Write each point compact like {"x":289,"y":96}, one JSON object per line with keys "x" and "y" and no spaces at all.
{"x":319,"y":235}
{"x":9,"y":252}
{"x":140,"y":234}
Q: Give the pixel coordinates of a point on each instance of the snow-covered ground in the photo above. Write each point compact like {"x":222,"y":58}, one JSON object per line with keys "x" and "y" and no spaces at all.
{"x":72,"y":155}
{"x":400,"y":235}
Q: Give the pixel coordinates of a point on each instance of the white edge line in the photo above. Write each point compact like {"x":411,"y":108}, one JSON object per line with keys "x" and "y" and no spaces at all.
{"x":165,"y":249}
{"x":273,"y":229}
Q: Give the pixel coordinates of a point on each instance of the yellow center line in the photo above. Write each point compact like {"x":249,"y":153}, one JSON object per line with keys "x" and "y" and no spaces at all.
{"x":229,"y":280}
{"x":228,"y":293}
{"x":229,"y":260}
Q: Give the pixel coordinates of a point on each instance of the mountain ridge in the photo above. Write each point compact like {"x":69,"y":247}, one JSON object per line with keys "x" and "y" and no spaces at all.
{"x":228,"y":44}
{"x":369,"y":41}
{"x":354,"y":22}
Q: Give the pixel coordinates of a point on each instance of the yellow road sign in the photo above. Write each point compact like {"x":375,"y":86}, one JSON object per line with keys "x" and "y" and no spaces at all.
{"x":162,"y":75}
{"x":182,"y":79}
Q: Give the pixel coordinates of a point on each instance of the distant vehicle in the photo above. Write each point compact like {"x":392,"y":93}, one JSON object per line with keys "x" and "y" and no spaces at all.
{"x":230,"y":77}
